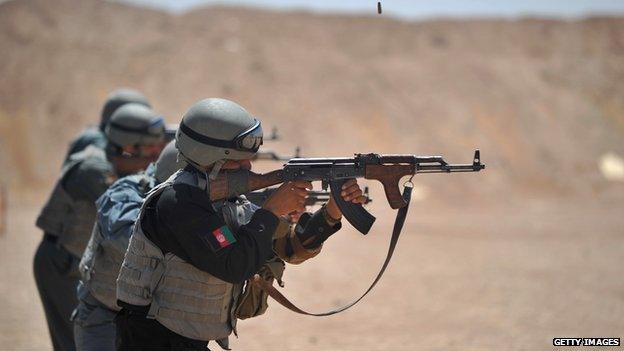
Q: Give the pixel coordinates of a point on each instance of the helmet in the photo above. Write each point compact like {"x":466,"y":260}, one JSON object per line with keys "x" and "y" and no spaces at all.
{"x":218,"y":129}
{"x":135,"y":124}
{"x":168,"y":163}
{"x":118,"y":98}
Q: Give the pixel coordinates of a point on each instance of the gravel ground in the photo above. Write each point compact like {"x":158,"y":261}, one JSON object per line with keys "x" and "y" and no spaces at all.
{"x":462,"y":279}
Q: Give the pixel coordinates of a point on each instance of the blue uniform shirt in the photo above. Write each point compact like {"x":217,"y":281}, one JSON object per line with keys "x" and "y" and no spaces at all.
{"x":118,"y":208}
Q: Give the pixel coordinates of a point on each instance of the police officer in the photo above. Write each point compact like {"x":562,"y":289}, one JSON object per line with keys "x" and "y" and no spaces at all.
{"x":134,"y":138}
{"x":117,"y":210}
{"x":95,"y":135}
{"x":182,"y":276}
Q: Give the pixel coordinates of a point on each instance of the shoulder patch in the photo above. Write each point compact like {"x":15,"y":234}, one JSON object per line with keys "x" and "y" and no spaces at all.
{"x":219,"y":238}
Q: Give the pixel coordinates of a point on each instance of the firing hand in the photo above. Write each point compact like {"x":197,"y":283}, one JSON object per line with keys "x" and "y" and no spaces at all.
{"x":288,"y":198}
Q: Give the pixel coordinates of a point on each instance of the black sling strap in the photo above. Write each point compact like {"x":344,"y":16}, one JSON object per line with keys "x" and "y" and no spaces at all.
{"x":396,"y":232}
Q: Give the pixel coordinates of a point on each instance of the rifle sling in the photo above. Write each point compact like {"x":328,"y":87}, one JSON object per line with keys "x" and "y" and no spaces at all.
{"x":396,"y":232}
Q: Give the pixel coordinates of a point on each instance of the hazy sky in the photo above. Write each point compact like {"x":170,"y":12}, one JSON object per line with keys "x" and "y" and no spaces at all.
{"x":421,"y":8}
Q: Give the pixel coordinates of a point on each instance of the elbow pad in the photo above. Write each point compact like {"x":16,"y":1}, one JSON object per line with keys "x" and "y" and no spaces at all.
{"x":315,"y":229}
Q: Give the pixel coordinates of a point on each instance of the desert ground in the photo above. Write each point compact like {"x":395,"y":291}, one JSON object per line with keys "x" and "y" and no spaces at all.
{"x":483,"y":278}
{"x":506,"y":259}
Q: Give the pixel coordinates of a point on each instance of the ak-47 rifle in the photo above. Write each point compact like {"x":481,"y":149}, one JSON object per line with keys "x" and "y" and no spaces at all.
{"x":334,"y":172}
{"x":314,"y":197}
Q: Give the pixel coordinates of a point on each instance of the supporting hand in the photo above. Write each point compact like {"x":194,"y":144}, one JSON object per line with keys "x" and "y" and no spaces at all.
{"x":351,"y":192}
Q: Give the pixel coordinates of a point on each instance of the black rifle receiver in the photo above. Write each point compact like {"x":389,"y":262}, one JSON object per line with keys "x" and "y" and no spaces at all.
{"x":388,"y":169}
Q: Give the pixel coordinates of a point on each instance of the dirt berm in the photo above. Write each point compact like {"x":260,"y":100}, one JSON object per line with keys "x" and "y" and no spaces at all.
{"x":528,"y":250}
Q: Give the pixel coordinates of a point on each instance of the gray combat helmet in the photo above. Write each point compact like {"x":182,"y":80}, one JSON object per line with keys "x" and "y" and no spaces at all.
{"x":135,"y":124}
{"x":168,"y":163}
{"x":117,"y":99}
{"x":214,"y":130}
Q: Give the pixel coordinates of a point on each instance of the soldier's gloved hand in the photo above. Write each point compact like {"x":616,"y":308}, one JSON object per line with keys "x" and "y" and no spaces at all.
{"x":351,"y":192}
{"x":289,"y":197}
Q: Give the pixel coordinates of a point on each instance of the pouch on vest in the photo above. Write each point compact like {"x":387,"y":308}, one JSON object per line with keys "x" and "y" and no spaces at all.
{"x":253,"y":301}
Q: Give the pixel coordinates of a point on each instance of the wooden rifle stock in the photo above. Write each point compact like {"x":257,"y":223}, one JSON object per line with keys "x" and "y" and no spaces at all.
{"x":233,"y":183}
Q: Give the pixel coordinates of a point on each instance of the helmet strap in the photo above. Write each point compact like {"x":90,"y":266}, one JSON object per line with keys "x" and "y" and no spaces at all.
{"x":195,"y":165}
{"x":215,"y":169}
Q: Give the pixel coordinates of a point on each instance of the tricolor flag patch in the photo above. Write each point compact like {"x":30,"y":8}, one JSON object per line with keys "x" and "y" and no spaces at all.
{"x":219,"y":238}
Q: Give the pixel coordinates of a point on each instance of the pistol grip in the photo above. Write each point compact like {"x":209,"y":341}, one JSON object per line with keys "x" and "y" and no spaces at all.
{"x":359,"y":218}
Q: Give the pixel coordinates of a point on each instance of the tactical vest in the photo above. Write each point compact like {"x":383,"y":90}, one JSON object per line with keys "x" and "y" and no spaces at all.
{"x":186,"y":300}
{"x":71,"y":220}
{"x":92,"y":135}
{"x":101,"y":261}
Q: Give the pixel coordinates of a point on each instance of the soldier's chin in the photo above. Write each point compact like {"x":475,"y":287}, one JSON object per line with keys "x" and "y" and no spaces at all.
{"x":237,"y":164}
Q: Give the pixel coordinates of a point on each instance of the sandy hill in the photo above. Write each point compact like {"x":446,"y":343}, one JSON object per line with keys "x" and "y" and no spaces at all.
{"x":543,"y":99}
{"x":527,"y":260}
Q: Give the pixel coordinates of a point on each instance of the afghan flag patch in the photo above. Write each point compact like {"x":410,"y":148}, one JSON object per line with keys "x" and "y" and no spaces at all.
{"x":220,"y":238}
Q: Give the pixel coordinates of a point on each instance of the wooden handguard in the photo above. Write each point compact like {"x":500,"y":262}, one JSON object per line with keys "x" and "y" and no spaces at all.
{"x":389,"y":176}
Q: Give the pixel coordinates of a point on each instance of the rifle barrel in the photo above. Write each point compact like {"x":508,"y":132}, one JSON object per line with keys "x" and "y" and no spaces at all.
{"x":449,"y":168}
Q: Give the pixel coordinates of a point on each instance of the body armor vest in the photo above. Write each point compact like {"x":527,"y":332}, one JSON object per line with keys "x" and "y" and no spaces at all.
{"x":183,"y":298}
{"x":92,"y":135}
{"x":71,"y":220}
{"x":100,"y":263}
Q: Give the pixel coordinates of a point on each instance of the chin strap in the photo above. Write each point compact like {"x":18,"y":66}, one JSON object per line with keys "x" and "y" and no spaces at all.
{"x":195,"y":165}
{"x":215,"y":169}
{"x":396,"y":232}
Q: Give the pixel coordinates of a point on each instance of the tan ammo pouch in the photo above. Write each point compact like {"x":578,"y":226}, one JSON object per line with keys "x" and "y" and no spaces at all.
{"x":253,"y":301}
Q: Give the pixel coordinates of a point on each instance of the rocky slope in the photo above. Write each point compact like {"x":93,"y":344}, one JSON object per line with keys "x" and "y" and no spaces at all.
{"x":543,"y":99}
